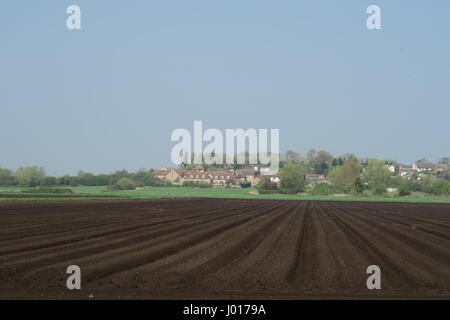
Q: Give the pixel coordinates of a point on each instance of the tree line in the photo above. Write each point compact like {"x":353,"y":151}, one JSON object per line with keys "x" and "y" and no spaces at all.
{"x":36,"y":177}
{"x":345,"y":174}
{"x":349,"y":174}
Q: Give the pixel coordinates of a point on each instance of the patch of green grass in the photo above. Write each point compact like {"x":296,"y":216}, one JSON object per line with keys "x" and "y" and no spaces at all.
{"x":93,"y":193}
{"x":47,"y":190}
{"x":58,"y":199}
{"x":236,"y":193}
{"x":10,"y":189}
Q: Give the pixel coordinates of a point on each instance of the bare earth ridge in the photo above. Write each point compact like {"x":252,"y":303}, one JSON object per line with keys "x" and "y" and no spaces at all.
{"x":224,"y":249}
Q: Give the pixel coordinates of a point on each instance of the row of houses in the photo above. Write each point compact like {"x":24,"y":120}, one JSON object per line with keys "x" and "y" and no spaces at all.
{"x":223,"y":177}
{"x":417,"y":167}
{"x":230,"y":176}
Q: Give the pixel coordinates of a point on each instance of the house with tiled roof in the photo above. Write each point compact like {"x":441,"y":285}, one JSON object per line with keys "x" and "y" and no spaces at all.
{"x":199,"y":168}
{"x":195,"y":176}
{"x":422,"y":166}
{"x":405,"y":170}
{"x":212,"y":177}
{"x":171,"y":175}
{"x":440,"y":167}
{"x":220,"y":177}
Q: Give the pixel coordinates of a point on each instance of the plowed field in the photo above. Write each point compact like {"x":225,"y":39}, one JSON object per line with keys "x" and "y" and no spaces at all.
{"x":207,"y":248}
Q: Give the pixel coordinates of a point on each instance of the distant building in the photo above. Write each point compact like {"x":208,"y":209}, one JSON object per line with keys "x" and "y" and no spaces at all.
{"x":264,"y":170}
{"x":227,"y":176}
{"x":198,"y":175}
{"x":244,"y":174}
{"x":405,"y":170}
{"x":228,"y":167}
{"x":421,"y":166}
{"x":222,"y":177}
{"x":171,"y":175}
{"x":195,"y":176}
{"x":199,"y":168}
{"x":275,"y":178}
{"x":441,"y":168}
{"x":255,"y":180}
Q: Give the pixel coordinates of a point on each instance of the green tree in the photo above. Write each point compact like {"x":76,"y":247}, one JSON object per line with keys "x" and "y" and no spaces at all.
{"x":292,"y":158}
{"x":146,"y":178}
{"x":125,"y":184}
{"x":404,"y":190}
{"x":322,"y":189}
{"x":426,"y":184}
{"x":440,"y":187}
{"x":292,"y":179}
{"x":358,"y":185}
{"x":267,"y":186}
{"x":323,"y":156}
{"x":376,"y":174}
{"x":30,"y":176}
{"x":245,"y":185}
{"x":6,"y":177}
{"x":349,"y":157}
{"x":319,"y":162}
{"x":321,"y":168}
{"x":49,"y":181}
{"x":337,"y":162}
{"x":310,"y":155}
{"x":380,"y":189}
{"x":344,"y":177}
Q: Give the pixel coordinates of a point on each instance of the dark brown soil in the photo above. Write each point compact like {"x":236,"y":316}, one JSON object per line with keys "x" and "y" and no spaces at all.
{"x":210,"y":248}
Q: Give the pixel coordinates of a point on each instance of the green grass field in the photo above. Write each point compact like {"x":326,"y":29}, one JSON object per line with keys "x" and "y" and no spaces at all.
{"x":94,"y":193}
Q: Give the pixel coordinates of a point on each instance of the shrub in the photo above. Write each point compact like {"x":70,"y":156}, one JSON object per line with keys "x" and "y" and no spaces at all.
{"x":435,"y":186}
{"x":292,"y":179}
{"x":246,"y":185}
{"x":160,"y":183}
{"x":358,"y":186}
{"x":322,"y":189}
{"x":345,"y":178}
{"x":194,"y":184}
{"x":123,"y":184}
{"x":265,"y":186}
{"x":48,"y":190}
{"x":30,"y":176}
{"x":379,"y":190}
{"x":404,"y":190}
{"x":440,"y":187}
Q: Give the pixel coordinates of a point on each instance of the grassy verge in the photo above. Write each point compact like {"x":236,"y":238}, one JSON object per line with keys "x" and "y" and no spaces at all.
{"x":57,"y":199}
{"x":97,"y":193}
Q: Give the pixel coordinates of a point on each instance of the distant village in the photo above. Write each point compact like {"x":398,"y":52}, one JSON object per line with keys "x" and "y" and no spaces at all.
{"x":227,"y":176}
{"x":230,"y":176}
{"x":319,"y":173}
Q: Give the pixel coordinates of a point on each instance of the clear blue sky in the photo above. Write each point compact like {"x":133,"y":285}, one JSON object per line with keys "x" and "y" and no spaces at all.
{"x":108,"y":96}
